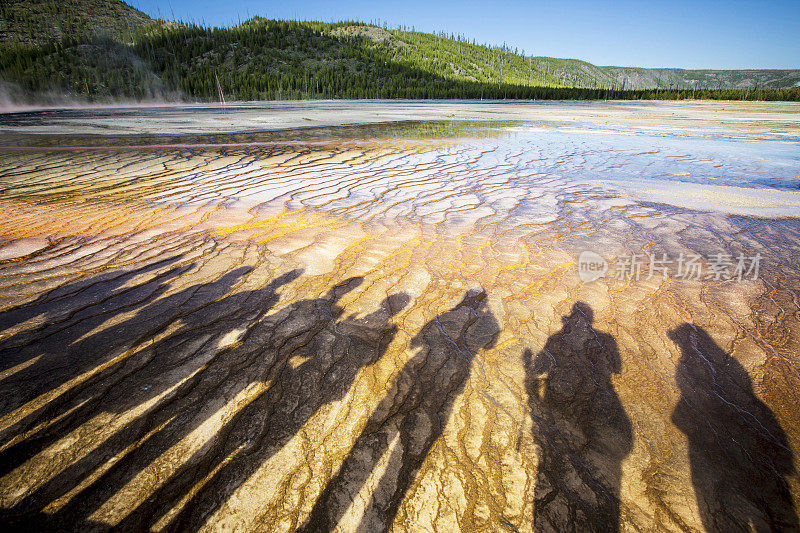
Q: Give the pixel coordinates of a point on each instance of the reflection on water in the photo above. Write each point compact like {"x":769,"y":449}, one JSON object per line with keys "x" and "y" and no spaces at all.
{"x":384,"y":325}
{"x":501,"y":166}
{"x":310,"y":136}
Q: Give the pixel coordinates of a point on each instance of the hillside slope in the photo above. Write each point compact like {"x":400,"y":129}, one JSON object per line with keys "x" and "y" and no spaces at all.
{"x":106,"y":50}
{"x":34,"y":22}
{"x":458,"y":58}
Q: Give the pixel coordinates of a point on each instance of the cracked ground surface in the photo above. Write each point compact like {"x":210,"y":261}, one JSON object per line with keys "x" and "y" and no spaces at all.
{"x":383,"y":327}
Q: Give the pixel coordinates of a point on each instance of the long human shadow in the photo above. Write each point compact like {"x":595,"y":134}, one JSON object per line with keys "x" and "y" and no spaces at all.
{"x":415,"y":411}
{"x":56,"y":351}
{"x":580,"y":426}
{"x":81,"y":347}
{"x":205,"y":314}
{"x":333,"y":351}
{"x":309,"y":328}
{"x":66,"y":303}
{"x":265,"y":349}
{"x":739,"y":455}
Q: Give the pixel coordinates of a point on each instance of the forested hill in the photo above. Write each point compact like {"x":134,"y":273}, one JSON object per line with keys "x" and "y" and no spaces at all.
{"x":107,"y":50}
{"x":42,"y":21}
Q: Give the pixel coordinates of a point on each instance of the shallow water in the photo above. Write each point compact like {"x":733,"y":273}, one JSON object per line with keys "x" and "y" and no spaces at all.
{"x":390,"y":324}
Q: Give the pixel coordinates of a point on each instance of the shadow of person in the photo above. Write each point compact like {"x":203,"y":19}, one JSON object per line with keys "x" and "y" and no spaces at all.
{"x":267,"y":355}
{"x":62,"y":305}
{"x":738,"y":454}
{"x":580,"y":426}
{"x":106,"y":354}
{"x":185,"y":368}
{"x":332,"y":354}
{"x":55,"y":353}
{"x":414,"y":412}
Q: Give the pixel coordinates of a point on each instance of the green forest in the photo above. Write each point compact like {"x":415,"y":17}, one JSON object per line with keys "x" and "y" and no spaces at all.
{"x":264,"y":59}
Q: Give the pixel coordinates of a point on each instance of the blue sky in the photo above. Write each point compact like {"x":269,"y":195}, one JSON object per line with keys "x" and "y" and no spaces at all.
{"x":685,"y":34}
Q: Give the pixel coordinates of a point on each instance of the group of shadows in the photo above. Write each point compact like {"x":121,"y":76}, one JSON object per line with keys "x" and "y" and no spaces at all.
{"x":307,"y":355}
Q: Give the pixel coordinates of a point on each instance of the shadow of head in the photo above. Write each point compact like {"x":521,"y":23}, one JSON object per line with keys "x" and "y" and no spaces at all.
{"x":288,"y":277}
{"x":395,"y":303}
{"x":527,"y":358}
{"x":475,"y":298}
{"x":481,"y":328}
{"x":236,"y":273}
{"x":343,"y":287}
{"x":581,"y":312}
{"x":684,"y":335}
{"x":376,"y":329}
{"x":698,"y":349}
{"x":705,"y":365}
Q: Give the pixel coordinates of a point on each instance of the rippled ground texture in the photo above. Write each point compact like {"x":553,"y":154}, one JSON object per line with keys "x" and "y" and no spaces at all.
{"x":385,"y":327}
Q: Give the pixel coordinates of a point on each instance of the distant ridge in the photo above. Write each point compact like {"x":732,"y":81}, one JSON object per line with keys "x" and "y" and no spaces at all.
{"x":108,"y":50}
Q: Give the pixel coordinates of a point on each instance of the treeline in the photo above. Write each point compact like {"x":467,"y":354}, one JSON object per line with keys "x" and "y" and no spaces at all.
{"x":98,"y":69}
{"x":41,"y":21}
{"x":266,"y":60}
